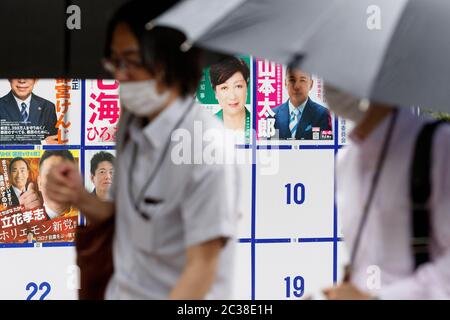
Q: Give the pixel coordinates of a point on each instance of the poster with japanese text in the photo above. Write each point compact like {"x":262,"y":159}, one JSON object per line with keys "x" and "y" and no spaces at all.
{"x":40,"y":111}
{"x":225,"y":89}
{"x":102,"y":112}
{"x":27,"y":215}
{"x":290,"y":106}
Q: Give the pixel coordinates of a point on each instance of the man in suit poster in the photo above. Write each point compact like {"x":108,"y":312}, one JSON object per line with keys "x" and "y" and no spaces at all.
{"x":28,"y":118}
{"x":301,"y":118}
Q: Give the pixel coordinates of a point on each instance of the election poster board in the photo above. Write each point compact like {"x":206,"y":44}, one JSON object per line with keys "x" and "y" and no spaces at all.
{"x":289,"y":244}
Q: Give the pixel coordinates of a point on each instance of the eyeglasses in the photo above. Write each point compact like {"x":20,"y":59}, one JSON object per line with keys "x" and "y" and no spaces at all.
{"x":112,"y":65}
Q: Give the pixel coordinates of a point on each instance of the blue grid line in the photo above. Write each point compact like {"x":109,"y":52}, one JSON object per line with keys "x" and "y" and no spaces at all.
{"x":99,"y":147}
{"x":16,"y":245}
{"x":253,"y":223}
{"x":289,"y":240}
{"x":302,"y":240}
{"x":61,"y":147}
{"x":58,"y":244}
{"x":335,"y":210}
{"x":32,"y":245}
{"x":16,"y":147}
{"x":275,"y":147}
{"x":83,"y":128}
{"x":276,"y":240}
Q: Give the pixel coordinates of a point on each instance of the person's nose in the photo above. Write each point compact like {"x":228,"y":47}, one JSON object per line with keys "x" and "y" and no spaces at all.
{"x":121,"y":75}
{"x":233,"y":94}
{"x":109,"y":176}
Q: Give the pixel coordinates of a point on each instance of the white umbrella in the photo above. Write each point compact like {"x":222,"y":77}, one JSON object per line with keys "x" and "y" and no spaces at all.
{"x":393,"y":51}
{"x":264,"y":28}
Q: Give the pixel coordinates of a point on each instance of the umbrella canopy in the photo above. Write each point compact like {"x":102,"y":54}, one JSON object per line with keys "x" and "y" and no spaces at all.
{"x":262,"y":28}
{"x":394,"y":52}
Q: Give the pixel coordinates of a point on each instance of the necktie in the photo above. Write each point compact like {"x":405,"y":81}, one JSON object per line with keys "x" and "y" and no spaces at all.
{"x":23,"y":112}
{"x":293,"y":123}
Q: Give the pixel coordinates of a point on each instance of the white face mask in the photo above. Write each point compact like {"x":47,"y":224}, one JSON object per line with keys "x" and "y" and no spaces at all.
{"x":345,"y":105}
{"x":141,"y":97}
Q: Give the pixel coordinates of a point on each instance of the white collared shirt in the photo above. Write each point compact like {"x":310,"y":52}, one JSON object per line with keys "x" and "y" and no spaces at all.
{"x":198,"y":203}
{"x":385,"y":239}
{"x":300,"y":108}
{"x":50,"y":212}
{"x":27,"y":101}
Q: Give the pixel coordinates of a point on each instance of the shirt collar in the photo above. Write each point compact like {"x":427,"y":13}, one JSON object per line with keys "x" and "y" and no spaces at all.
{"x":17,"y":191}
{"x":299,"y":108}
{"x":159,"y":130}
{"x":50,"y":212}
{"x":19,"y":102}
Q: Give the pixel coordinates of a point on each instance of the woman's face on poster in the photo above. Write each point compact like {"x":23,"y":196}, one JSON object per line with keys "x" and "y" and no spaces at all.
{"x":232,"y":94}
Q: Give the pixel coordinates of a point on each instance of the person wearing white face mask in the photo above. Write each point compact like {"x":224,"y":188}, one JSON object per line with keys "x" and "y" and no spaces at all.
{"x":174,"y":224}
{"x":375,"y":177}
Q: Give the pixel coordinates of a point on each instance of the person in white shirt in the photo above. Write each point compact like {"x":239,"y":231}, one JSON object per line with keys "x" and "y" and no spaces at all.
{"x":383,"y":264}
{"x":174,"y":223}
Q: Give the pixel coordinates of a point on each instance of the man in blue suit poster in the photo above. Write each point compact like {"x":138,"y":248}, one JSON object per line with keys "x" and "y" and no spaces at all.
{"x":29,"y":119}
{"x":299,"y":116}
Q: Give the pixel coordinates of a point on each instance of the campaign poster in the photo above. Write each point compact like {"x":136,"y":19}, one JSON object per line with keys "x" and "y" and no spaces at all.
{"x":99,"y":172}
{"x":102,"y":112}
{"x":290,"y":105}
{"x":27,"y":215}
{"x":225,"y":89}
{"x":40,"y":111}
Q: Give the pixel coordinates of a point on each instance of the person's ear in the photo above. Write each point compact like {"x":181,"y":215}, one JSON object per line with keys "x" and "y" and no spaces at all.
{"x":312,"y":84}
{"x":39,"y":183}
{"x":92,"y":179}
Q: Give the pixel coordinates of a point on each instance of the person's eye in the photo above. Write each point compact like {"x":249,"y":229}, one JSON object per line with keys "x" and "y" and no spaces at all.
{"x":240,"y":86}
{"x":223,"y":88}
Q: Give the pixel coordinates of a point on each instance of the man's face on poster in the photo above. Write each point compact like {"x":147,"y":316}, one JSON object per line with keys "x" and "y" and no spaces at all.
{"x":22,"y":88}
{"x":19,"y":174}
{"x":298,"y":84}
{"x":43,"y":172}
{"x":102,"y":179}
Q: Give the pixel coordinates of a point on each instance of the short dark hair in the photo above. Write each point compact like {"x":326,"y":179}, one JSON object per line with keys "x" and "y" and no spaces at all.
{"x":15,"y":160}
{"x":223,"y":70}
{"x":290,"y":69}
{"x":65,"y":154}
{"x":160,"y":46}
{"x":100,"y":157}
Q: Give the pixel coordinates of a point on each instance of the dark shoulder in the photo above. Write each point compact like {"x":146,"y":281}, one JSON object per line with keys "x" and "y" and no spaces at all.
{"x":279,"y":107}
{"x":318,"y":107}
{"x":6,"y":97}
{"x":42,"y":101}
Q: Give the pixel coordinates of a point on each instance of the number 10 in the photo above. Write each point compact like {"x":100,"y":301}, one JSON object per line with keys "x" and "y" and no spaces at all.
{"x":298,"y":199}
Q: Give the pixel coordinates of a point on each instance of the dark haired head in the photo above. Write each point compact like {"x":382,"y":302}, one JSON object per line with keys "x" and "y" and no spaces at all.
{"x":100,"y":157}
{"x":225,"y":69}
{"x":15,"y":160}
{"x":290,"y":69}
{"x":65,"y":154}
{"x":159,"y":46}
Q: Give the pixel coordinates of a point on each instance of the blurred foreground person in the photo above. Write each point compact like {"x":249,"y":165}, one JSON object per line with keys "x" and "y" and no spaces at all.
{"x":174,"y":224}
{"x":398,"y":250}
